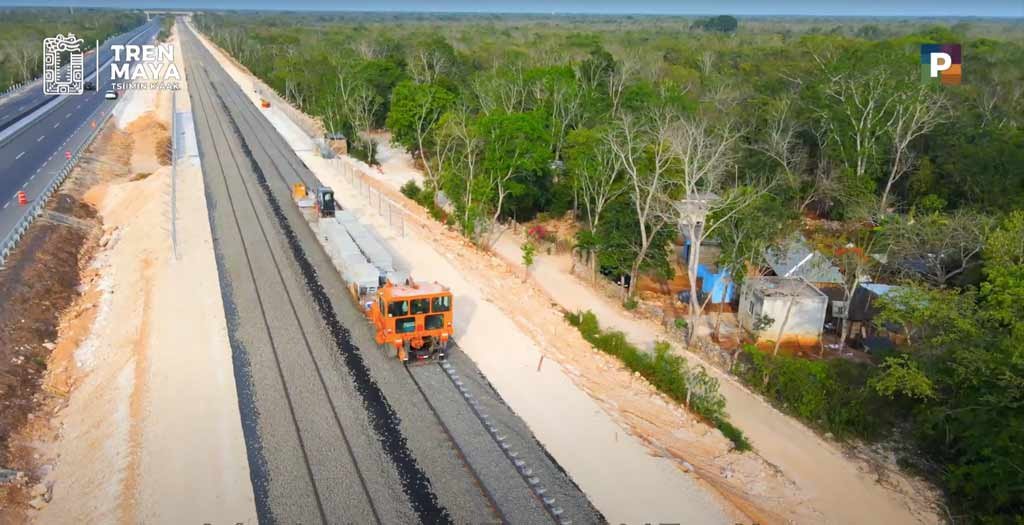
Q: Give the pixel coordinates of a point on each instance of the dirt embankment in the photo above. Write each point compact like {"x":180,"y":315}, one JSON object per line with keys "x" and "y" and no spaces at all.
{"x":45,"y":287}
{"x":150,"y":432}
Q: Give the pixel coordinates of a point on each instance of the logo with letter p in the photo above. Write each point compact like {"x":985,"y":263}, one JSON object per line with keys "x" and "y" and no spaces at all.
{"x":942,"y":62}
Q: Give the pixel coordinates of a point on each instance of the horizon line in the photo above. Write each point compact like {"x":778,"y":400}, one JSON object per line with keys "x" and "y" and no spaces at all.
{"x":663,"y":14}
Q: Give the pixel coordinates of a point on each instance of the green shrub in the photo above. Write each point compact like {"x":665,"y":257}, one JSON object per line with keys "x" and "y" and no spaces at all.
{"x":669,"y":373}
{"x":411,"y":189}
{"x":630,"y":303}
{"x":734,"y":434}
{"x":830,"y":395}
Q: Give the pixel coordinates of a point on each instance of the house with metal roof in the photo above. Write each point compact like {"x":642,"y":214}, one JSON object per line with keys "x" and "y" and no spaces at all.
{"x":796,"y":258}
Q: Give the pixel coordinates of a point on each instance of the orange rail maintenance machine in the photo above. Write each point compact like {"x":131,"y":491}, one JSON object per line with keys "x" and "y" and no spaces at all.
{"x":414,"y":318}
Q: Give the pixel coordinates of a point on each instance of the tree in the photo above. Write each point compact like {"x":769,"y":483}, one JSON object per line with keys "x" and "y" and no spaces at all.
{"x":721,"y":24}
{"x":415,"y":111}
{"x":900,"y":375}
{"x":596,"y":176}
{"x":936,"y":247}
{"x":853,"y":255}
{"x":461,"y":169}
{"x":916,"y":112}
{"x":856,"y":115}
{"x":706,"y":157}
{"x":514,"y":164}
{"x":431,"y":59}
{"x":643,"y":152}
{"x":528,"y":250}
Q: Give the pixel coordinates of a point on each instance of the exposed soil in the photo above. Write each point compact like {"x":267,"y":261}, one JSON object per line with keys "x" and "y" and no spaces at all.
{"x":40,"y":284}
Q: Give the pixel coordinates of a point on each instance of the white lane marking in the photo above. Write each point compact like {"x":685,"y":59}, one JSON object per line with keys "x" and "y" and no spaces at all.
{"x":19,"y":155}
{"x":6,"y":204}
{"x":23,"y":185}
{"x":78,"y":106}
{"x":33,"y":175}
{"x":68,"y":115}
{"x":41,"y":137}
{"x":55,"y":125}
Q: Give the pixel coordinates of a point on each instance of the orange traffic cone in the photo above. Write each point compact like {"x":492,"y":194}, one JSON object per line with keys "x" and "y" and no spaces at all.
{"x":22,"y":198}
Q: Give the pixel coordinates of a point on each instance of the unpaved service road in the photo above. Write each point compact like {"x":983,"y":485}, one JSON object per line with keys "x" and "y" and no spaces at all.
{"x":336,"y":431}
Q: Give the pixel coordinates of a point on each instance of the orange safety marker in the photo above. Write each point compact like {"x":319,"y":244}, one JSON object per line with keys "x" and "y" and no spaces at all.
{"x":22,"y":198}
{"x":67,"y":155}
{"x":94,"y":123}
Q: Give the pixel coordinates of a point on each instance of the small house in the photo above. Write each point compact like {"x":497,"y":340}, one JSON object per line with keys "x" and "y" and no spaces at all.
{"x":769,"y":299}
{"x":864,"y":308}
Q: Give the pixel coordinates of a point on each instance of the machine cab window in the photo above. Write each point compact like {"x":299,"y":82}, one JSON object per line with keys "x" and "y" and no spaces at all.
{"x":398,"y":308}
{"x":420,"y":306}
{"x":405,"y":325}
{"x":442,"y":303}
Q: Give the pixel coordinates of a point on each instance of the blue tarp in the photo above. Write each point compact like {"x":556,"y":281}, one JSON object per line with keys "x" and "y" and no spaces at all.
{"x":718,"y":285}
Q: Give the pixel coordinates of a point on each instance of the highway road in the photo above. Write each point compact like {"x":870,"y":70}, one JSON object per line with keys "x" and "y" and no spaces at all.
{"x":32,"y":149}
{"x":19,"y":105}
{"x":336,"y":430}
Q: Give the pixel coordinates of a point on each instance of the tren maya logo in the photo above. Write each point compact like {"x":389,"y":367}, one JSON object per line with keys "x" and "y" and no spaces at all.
{"x":144,"y":67}
{"x":60,"y":76}
{"x":942,"y":63}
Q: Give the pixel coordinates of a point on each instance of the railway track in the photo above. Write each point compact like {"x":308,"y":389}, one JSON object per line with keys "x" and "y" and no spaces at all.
{"x":499,"y":440}
{"x":497,"y":471}
{"x":244,"y":204}
{"x":486,"y":428}
{"x":279,"y":155}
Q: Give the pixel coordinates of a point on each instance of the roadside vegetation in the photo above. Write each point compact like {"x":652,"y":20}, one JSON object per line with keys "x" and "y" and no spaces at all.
{"x":166,"y":23}
{"x":22,"y":31}
{"x":669,"y":373}
{"x":765,"y":128}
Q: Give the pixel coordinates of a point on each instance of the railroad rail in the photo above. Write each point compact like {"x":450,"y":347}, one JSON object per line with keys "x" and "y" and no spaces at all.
{"x":281,"y":163}
{"x":230,"y":163}
{"x":516,"y":463}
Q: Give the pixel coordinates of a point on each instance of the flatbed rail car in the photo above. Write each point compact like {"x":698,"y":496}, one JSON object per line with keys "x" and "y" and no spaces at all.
{"x":415,"y":319}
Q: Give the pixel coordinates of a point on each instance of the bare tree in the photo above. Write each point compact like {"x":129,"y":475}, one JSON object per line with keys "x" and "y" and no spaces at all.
{"x":706,"y":158}
{"x":598,"y":182}
{"x":618,"y":79}
{"x":507,"y":93}
{"x":780,"y":144}
{"x":427,"y":117}
{"x":368,"y":50}
{"x":465,"y":149}
{"x":426,"y":65}
{"x":863,"y":119}
{"x":915,"y":113}
{"x":643,"y":152}
{"x":566,"y":112}
{"x":27,"y":60}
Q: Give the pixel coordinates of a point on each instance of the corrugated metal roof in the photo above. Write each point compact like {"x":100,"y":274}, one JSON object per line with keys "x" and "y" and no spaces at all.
{"x":796,"y":259}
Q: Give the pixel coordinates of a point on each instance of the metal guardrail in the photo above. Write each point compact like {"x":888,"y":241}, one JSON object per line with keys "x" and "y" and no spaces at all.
{"x":36,"y":208}
{"x":17,"y":87}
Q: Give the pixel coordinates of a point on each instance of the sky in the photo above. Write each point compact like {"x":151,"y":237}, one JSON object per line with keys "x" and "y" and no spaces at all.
{"x":904,"y":8}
